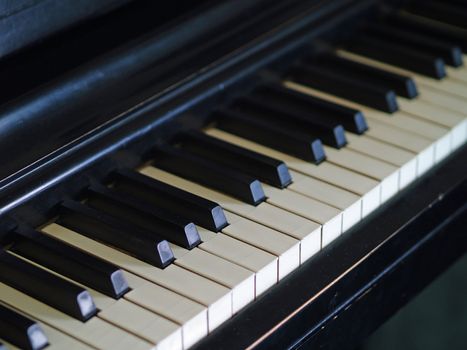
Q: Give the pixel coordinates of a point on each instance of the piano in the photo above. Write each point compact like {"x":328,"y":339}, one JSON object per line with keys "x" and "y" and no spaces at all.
{"x":226,"y":174}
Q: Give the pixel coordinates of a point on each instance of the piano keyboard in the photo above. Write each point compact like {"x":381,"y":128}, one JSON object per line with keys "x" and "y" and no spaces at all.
{"x":160,"y":256}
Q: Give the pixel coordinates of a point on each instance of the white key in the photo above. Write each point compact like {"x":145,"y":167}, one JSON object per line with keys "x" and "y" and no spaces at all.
{"x":191,"y":316}
{"x":145,"y":324}
{"x":405,"y":160}
{"x":262,"y":263}
{"x":387,"y":174}
{"x":217,"y":298}
{"x":94,"y":332}
{"x":330,"y":218}
{"x":240,"y":280}
{"x":349,"y":203}
{"x":440,"y":101}
{"x":265,"y":214}
{"x":286,"y":248}
{"x":448,"y":85}
{"x":381,"y":129}
{"x":367,"y":188}
{"x":57,"y":340}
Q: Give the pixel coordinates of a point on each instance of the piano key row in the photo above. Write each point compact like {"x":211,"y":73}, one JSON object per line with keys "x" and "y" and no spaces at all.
{"x":264,"y":191}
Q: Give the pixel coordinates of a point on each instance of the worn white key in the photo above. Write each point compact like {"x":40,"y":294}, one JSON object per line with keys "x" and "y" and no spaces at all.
{"x":240,"y":280}
{"x":349,"y":203}
{"x":95,"y":332}
{"x":387,"y":174}
{"x":262,"y":263}
{"x":368,"y":189}
{"x":191,"y":316}
{"x":286,"y":248}
{"x":330,"y":218}
{"x":217,"y":298}
{"x":405,"y":160}
{"x":265,"y":213}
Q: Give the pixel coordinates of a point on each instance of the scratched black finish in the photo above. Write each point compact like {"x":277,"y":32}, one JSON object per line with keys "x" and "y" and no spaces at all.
{"x":355,"y":288}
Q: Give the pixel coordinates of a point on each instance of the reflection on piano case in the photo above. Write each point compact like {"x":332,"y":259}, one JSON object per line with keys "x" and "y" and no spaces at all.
{"x":235,"y":174}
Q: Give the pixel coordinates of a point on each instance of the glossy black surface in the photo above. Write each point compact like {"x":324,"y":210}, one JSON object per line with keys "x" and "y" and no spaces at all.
{"x":326,"y":79}
{"x":21,"y":331}
{"x":279,"y":115}
{"x":402,"y":85}
{"x":108,"y":229}
{"x":211,"y":174}
{"x":160,"y":222}
{"x":433,"y":29}
{"x":451,"y":54}
{"x":203,"y":212}
{"x":70,"y":262}
{"x":310,"y":106}
{"x":46,"y":287}
{"x":398,"y":55}
{"x":298,"y":145}
{"x":451,"y":13}
{"x":266,"y":169}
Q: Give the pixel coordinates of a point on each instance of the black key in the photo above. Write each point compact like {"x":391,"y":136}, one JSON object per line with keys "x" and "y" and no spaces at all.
{"x":70,"y":262}
{"x":20,"y":331}
{"x":203,"y":212}
{"x":296,"y":144}
{"x":312,"y":125}
{"x":299,"y":103}
{"x":216,"y":176}
{"x":452,"y":14}
{"x":162,"y":223}
{"x":115,"y":232}
{"x":435,"y":30}
{"x":451,"y":54}
{"x":266,"y":169}
{"x":399,"y":56}
{"x":46,"y":287}
{"x":402,"y":85}
{"x":325,"y":79}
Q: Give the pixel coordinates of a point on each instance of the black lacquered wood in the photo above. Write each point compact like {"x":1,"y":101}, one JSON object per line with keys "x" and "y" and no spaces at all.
{"x":203,"y":212}
{"x":402,"y":85}
{"x":217,"y":176}
{"x":109,"y":230}
{"x":46,"y":287}
{"x":303,"y":104}
{"x":276,"y":113}
{"x":397,"y":55}
{"x":298,"y":145}
{"x":21,"y":331}
{"x":451,"y":54}
{"x":325,"y":79}
{"x":264,"y":168}
{"x":453,"y":14}
{"x":432,"y":29}
{"x":162,"y":223}
{"x":70,"y":262}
